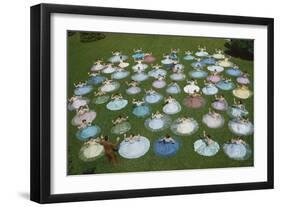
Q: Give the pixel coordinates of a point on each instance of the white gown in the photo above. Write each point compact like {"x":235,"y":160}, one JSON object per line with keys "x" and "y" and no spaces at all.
{"x":172,"y":108}
{"x":134,"y":148}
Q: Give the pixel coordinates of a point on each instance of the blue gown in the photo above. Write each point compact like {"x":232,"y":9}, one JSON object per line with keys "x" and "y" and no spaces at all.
{"x":235,"y":111}
{"x":80,"y":91}
{"x":210,"y":90}
{"x":202,"y":148}
{"x":117,"y":58}
{"x":234,"y":72}
{"x":141,"y":111}
{"x":209,"y":61}
{"x":225,"y":85}
{"x":153,"y":98}
{"x":88,"y":132}
{"x":173,"y":89}
{"x":138,"y":55}
{"x":198,"y":74}
{"x":155,"y":73}
{"x":237,"y":151}
{"x":188,"y":57}
{"x":117,"y":104}
{"x":139,"y":77}
{"x":120,"y":75}
{"x":166,"y":149}
{"x":96,"y":80}
{"x":198,"y":64}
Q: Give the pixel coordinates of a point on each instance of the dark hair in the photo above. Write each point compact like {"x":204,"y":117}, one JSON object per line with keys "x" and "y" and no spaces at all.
{"x":105,"y":137}
{"x":84,"y":120}
{"x":168,"y":136}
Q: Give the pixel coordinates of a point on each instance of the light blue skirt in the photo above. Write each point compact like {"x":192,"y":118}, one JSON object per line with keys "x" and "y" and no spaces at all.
{"x":237,"y":112}
{"x":88,"y":132}
{"x":203,"y":149}
{"x":139,"y":77}
{"x":134,"y":149}
{"x":210,"y":90}
{"x":153,"y":98}
{"x":225,"y":86}
{"x":209,"y":61}
{"x":96,"y":80}
{"x":233,"y":72}
{"x":120,"y":75}
{"x":198,"y":74}
{"x":155,"y":73}
{"x":117,"y":58}
{"x":188,"y":57}
{"x":174,"y":89}
{"x":237,"y":151}
{"x":80,"y":91}
{"x":116,"y":105}
{"x":142,"y":111}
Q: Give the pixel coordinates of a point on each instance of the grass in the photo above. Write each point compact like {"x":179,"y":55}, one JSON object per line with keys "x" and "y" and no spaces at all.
{"x":80,"y":59}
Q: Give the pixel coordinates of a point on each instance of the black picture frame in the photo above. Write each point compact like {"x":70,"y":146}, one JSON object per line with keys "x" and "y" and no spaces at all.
{"x":41,"y":102}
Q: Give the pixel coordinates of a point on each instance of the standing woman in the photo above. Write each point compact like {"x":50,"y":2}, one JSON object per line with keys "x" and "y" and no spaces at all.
{"x":109,"y":149}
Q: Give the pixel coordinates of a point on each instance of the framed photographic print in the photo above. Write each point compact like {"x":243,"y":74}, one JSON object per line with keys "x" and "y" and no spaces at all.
{"x":132,"y":103}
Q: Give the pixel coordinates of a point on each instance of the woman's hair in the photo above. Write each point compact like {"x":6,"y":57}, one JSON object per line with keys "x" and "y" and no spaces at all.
{"x":105,"y":137}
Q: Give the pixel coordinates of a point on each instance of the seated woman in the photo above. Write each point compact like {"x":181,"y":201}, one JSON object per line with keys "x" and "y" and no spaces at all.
{"x":139,"y":76}
{"x":138,"y":54}
{"x":205,"y":146}
{"x":226,"y":63}
{"x":117,"y":57}
{"x":241,"y":126}
{"x":117,"y":103}
{"x":159,"y":82}
{"x":178,"y":67}
{"x":234,"y":71}
{"x":149,"y":58}
{"x":157,"y":122}
{"x":214,"y":77}
{"x":174,"y":53}
{"x":121,"y":125}
{"x":83,"y":113}
{"x":171,"y":106}
{"x":100,"y":97}
{"x":198,"y":64}
{"x":167,"y":61}
{"x":225,"y":84}
{"x":219,"y":54}
{"x":134,"y":146}
{"x":237,"y":149}
{"x":178,"y":75}
{"x":209,"y":89}
{"x":213,"y":119}
{"x":108,"y":69}
{"x":201,"y":52}
{"x":123,"y":64}
{"x":242,"y":92}
{"x":184,"y":126}
{"x":198,"y":73}
{"x":82,"y":88}
{"x":220,"y":103}
{"x":188,"y":55}
{"x":157,"y":71}
{"x":173,"y":88}
{"x":133,"y":88}
{"x":191,"y":87}
{"x":238,"y":109}
{"x":97,"y":66}
{"x":87,"y":131}
{"x":91,"y":150}
{"x":166,"y":146}
{"x":152,"y":97}
{"x":209,"y":60}
{"x":75,"y":102}
{"x":140,"y":109}
{"x":95,"y":78}
{"x":215,"y":68}
{"x":194,"y":101}
{"x":109,"y":86}
{"x":120,"y":73}
{"x":139,"y":67}
{"x":243,"y":79}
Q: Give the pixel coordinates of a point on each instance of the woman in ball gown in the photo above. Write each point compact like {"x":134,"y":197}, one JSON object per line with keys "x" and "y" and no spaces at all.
{"x":198,"y":64}
{"x":191,"y":87}
{"x":174,"y":54}
{"x":173,"y":88}
{"x":167,"y":61}
{"x":238,"y":109}
{"x":108,"y":69}
{"x":109,"y":86}
{"x":139,"y":76}
{"x":210,"y":89}
{"x":152,"y":97}
{"x":209,"y":60}
{"x":91,"y":150}
{"x":178,"y":67}
{"x":83,"y":113}
{"x":138,"y":54}
{"x":100,"y":97}
{"x":188,"y":55}
{"x":117,"y":57}
{"x":140,"y":109}
{"x":139,"y":67}
{"x":87,"y":131}
{"x":133,"y":88}
{"x":117,"y":103}
{"x":166,"y":146}
{"x":149,"y":58}
{"x":97,"y":66}
{"x":241,"y":126}
{"x":123,"y":64}
{"x":202,"y":52}
{"x":95,"y":78}
{"x":213,"y":119}
{"x":178,"y":75}
{"x":234,"y":71}
{"x":226,"y":63}
{"x":120,"y":73}
{"x":157,"y":122}
{"x":219,"y":55}
{"x":134,"y":146}
{"x":198,"y":73}
{"x":242,"y":92}
{"x":121,"y":125}
{"x":220,"y":103}
{"x":75,"y":102}
{"x":82,"y":88}
{"x":194,"y":101}
{"x":159,"y":82}
{"x":225,"y":84}
{"x":205,"y":146}
{"x":171,"y":106}
{"x":243,"y":79}
{"x":184,"y":126}
{"x":215,"y":68}
{"x":214,"y":77}
{"x":157,"y":71}
{"x":237,"y":149}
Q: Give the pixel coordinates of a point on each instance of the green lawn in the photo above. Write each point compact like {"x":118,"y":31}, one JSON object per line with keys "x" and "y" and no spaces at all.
{"x":80,"y":59}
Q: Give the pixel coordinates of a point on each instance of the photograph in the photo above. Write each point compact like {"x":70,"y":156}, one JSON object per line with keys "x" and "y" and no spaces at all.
{"x":156,"y":102}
